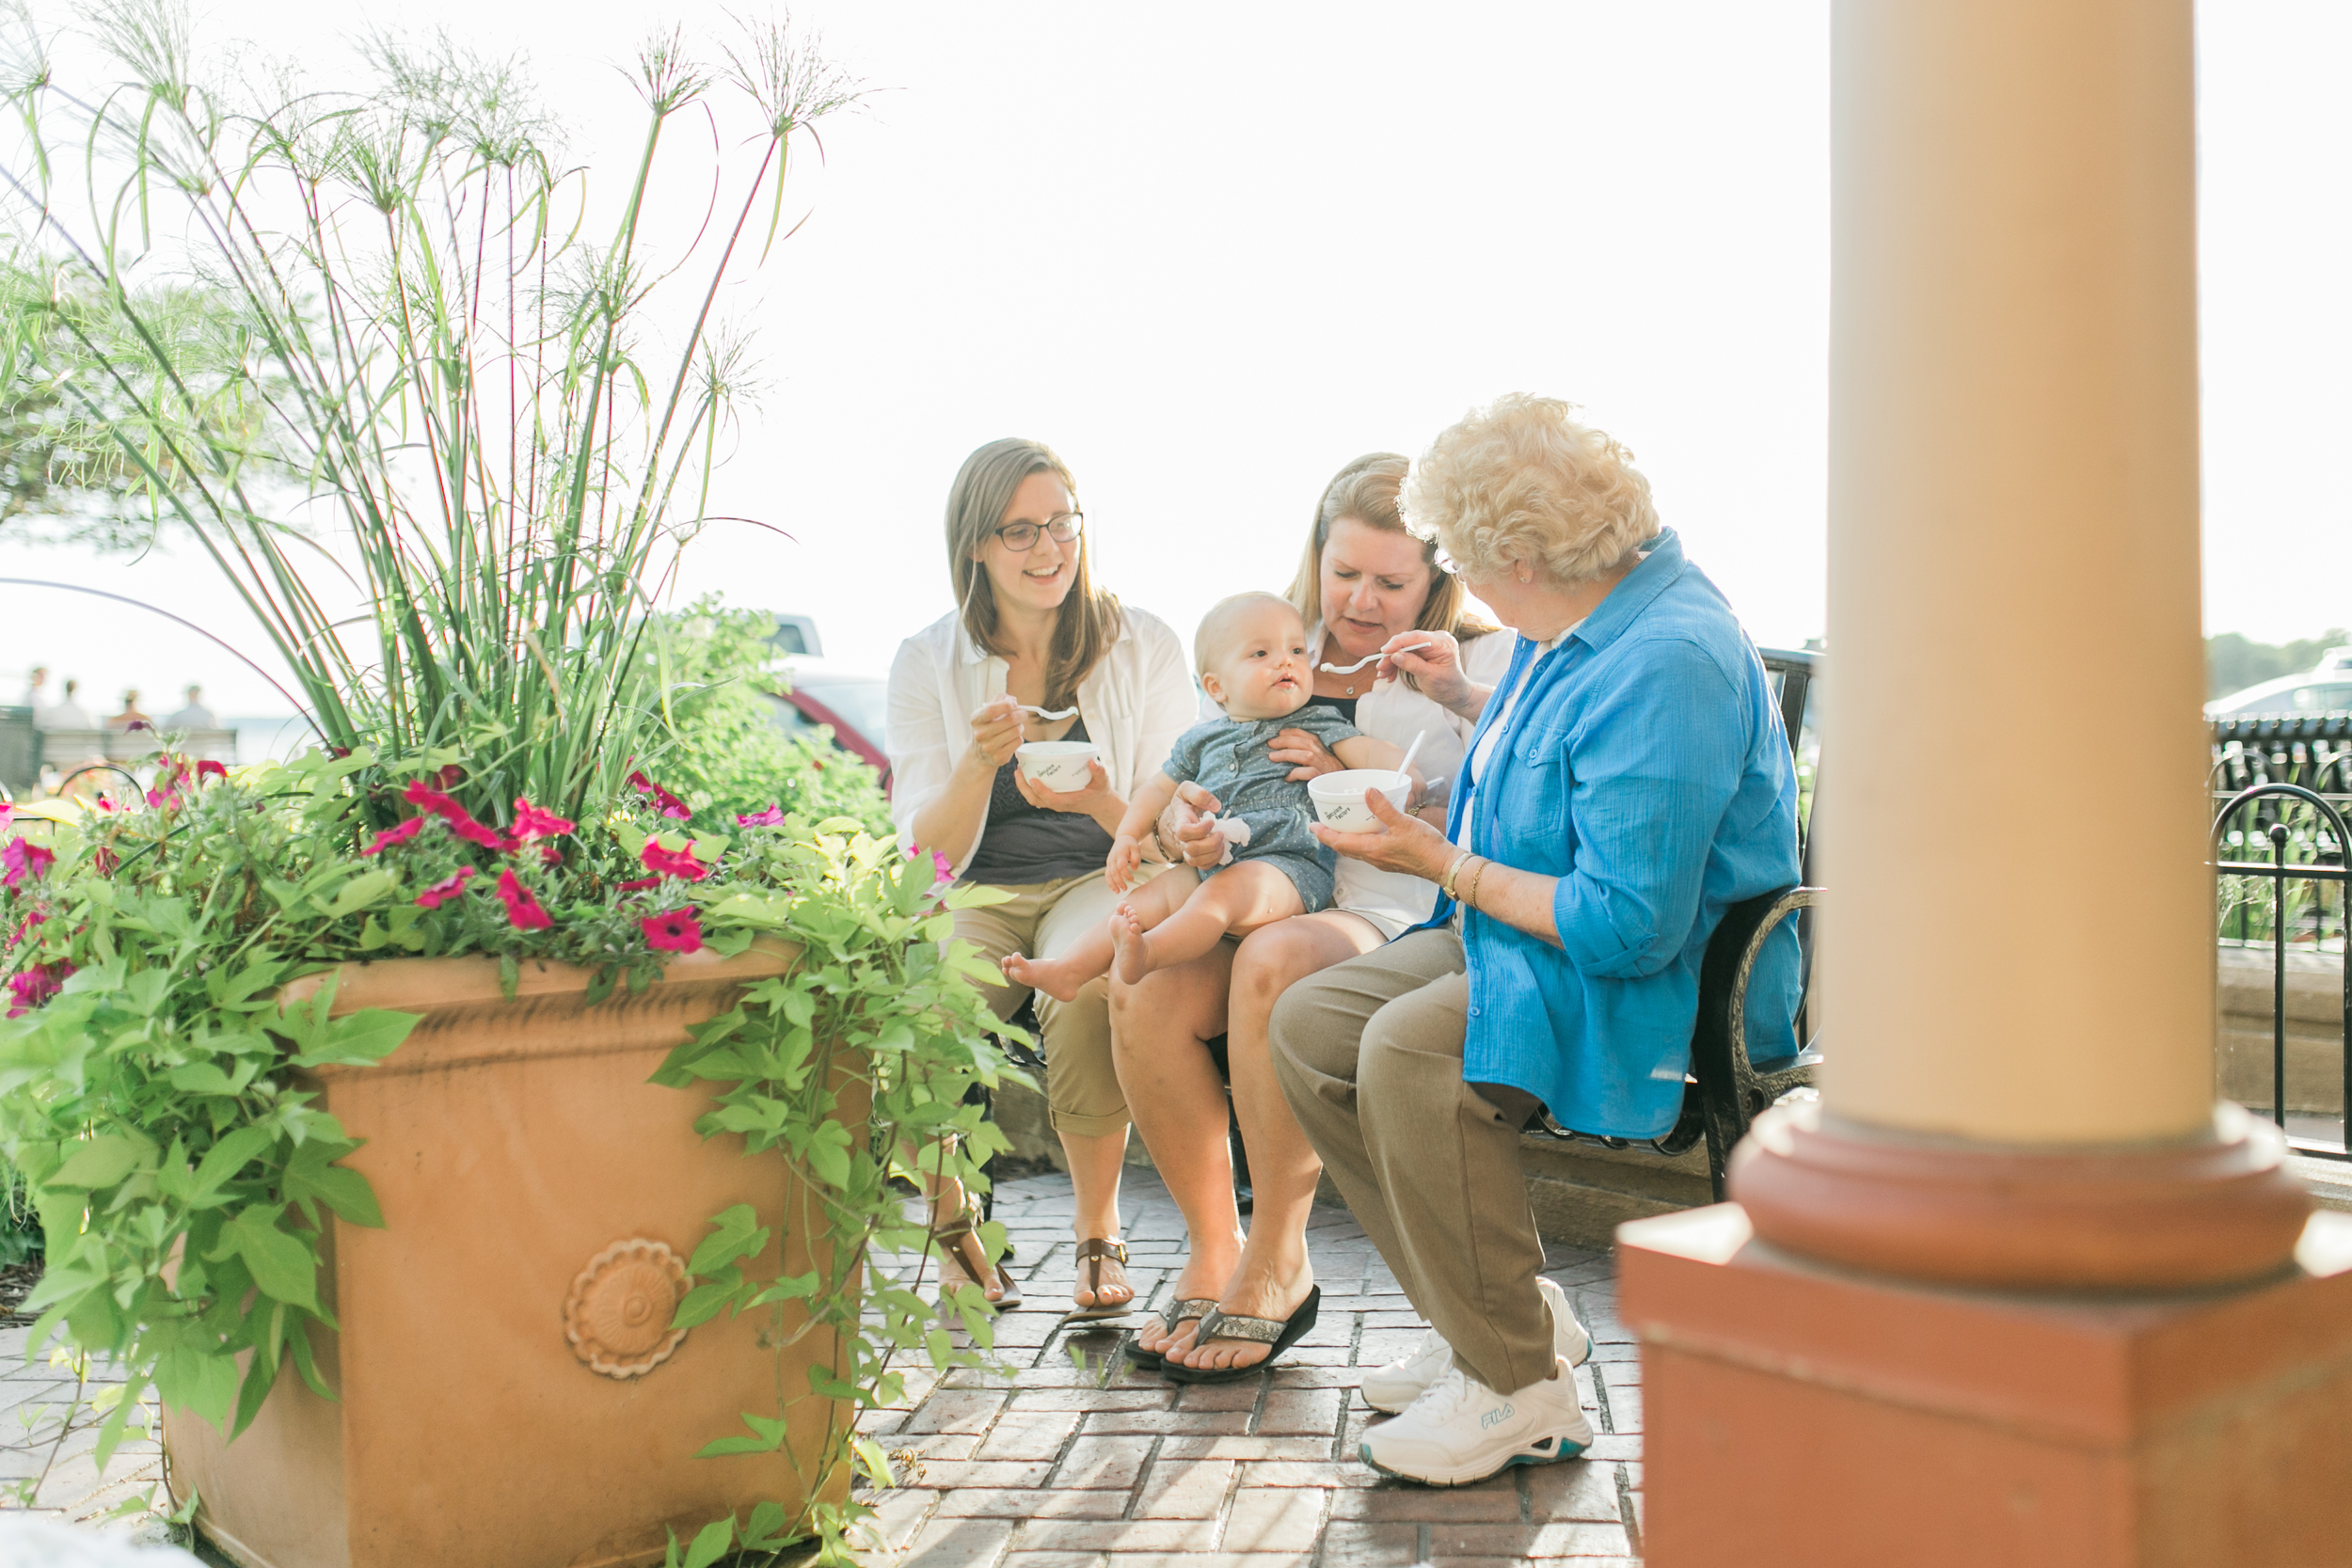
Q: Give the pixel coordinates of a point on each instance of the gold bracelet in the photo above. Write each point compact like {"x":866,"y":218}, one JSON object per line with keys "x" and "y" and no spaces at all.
{"x":1470,"y":898}
{"x":1445,"y":883}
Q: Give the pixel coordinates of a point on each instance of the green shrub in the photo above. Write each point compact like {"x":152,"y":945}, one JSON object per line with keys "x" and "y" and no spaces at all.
{"x":714,"y":674}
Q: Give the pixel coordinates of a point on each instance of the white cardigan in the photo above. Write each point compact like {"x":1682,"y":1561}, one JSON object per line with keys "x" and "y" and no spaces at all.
{"x":1137,"y":699}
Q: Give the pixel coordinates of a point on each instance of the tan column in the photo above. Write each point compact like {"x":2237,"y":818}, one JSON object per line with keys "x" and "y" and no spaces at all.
{"x":2019,"y":943}
{"x":2084,"y":1318}
{"x":2021,"y":927}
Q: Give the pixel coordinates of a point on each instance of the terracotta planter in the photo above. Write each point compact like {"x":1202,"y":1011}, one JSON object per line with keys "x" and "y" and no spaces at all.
{"x":510,"y":1394}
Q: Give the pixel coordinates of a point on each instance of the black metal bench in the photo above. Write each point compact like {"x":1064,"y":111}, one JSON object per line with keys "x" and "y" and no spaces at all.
{"x":1724,"y":1092}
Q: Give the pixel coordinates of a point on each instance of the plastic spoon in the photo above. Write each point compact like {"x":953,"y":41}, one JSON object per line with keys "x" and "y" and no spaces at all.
{"x":1407,"y":766}
{"x":1369,"y":659}
{"x":1049,"y":715}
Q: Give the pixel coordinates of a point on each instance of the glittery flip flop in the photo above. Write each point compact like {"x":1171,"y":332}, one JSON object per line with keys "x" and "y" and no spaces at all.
{"x":1184,"y":1309}
{"x":1281,"y":1336}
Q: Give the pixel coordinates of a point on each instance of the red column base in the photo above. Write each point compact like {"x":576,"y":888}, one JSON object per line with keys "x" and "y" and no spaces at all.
{"x":1803,"y":1416}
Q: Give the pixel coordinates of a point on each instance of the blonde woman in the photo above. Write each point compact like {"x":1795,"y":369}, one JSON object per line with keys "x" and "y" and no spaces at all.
{"x":1628,"y":782}
{"x":1363,"y":585}
{"x":1032,"y":632}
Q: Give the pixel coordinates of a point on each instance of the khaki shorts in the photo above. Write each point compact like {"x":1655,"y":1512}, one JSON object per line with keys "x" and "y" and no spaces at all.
{"x":1041,"y":920}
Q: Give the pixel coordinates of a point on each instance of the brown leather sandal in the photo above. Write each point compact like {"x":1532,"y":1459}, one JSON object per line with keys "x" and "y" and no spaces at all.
{"x":1091,"y":1253}
{"x":960,"y":1248}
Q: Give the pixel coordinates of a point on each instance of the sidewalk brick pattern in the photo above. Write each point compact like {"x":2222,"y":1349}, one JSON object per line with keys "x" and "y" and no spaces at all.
{"x":1076,"y":1459}
{"x":1079,"y":1460}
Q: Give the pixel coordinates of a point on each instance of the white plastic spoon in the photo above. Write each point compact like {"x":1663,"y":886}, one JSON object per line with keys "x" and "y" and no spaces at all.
{"x":1407,"y":766}
{"x":1369,"y":659}
{"x":1049,"y":715}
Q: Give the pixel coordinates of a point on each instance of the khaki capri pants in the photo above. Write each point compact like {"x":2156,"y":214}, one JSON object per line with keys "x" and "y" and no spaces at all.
{"x":1369,"y":1054}
{"x":1041,"y":920}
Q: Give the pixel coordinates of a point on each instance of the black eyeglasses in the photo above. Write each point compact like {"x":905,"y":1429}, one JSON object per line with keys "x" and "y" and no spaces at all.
{"x":1021,"y":538}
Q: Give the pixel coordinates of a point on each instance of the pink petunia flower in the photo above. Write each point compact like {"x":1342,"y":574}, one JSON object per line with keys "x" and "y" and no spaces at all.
{"x":676,"y":932}
{"x":104,"y":861}
{"x":208,"y":768}
{"x":400,"y":833}
{"x":36,"y":984}
{"x":460,"y":821}
{"x":942,"y":869}
{"x":531,"y":823}
{"x":672,"y":863}
{"x":523,"y":912}
{"x":24,"y":926}
{"x":670,"y":805}
{"x":639,"y":885}
{"x":446,"y":889}
{"x":22,"y":859}
{"x":771,"y":817}
{"x":550,"y":855}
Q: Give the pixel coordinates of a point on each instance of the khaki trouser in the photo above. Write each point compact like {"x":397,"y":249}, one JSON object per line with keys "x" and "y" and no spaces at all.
{"x":1041,"y":920}
{"x":1368,"y":1054}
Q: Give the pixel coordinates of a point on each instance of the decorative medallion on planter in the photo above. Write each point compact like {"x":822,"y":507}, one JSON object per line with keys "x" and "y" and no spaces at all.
{"x":617,"y":1317}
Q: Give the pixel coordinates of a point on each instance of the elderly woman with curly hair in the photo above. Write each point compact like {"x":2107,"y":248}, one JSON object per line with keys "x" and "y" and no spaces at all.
{"x":1628,"y":782}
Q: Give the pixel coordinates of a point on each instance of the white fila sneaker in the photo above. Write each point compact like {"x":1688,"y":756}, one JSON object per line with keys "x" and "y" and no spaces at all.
{"x":1461,"y":1431}
{"x":1392,"y":1387}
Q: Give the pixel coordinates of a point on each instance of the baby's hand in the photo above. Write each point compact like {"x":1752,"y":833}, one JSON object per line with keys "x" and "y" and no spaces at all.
{"x":1120,"y":867}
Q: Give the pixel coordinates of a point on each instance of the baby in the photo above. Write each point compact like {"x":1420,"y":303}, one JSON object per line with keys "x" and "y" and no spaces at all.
{"x":1255,"y":663}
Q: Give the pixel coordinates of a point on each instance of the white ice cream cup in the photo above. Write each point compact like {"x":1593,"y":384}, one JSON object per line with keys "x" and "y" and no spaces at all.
{"x":1338,"y":797}
{"x":1059,"y":766}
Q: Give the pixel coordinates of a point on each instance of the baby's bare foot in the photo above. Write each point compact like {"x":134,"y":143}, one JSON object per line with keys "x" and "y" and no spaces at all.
{"x":1131,"y":950}
{"x":1058,"y":980}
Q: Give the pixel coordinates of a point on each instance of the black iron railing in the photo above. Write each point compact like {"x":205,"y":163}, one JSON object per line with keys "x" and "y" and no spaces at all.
{"x":2278,"y":857}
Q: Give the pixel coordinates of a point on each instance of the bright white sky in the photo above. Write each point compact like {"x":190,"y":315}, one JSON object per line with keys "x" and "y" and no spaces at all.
{"x":1212,"y":252}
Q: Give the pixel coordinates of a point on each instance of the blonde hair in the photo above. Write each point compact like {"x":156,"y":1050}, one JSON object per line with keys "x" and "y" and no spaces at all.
{"x":1519,"y":480}
{"x":1223,"y":610}
{"x":1366,"y":490}
{"x":1089,"y":620}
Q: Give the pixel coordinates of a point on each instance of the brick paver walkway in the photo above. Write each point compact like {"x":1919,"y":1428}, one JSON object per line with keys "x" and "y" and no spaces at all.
{"x":1077,"y":1460}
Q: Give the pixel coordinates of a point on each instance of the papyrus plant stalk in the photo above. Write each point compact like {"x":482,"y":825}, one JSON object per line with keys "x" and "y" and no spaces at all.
{"x":394,"y":368}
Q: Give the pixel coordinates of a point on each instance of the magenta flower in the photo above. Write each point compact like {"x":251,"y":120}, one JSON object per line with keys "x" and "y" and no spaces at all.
{"x":104,"y":861}
{"x":670,"y":805}
{"x":24,"y":926}
{"x":942,"y":869}
{"x":36,"y":984}
{"x":209,"y":769}
{"x":400,"y":833}
{"x":672,"y":863}
{"x":771,"y":817}
{"x":639,"y":885}
{"x":446,"y":889}
{"x":460,"y":821}
{"x":531,"y":823}
{"x":523,"y":912}
{"x":676,"y":932}
{"x":21,"y":859}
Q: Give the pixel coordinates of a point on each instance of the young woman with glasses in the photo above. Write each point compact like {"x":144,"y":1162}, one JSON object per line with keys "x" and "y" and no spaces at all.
{"x":1032,"y":634}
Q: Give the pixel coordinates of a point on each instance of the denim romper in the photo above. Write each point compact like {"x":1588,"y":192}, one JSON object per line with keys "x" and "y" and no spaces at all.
{"x":1228,"y":758}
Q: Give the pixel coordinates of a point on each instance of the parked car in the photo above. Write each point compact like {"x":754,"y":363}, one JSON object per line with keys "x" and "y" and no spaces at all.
{"x":818,"y":694}
{"x":2327,"y":689}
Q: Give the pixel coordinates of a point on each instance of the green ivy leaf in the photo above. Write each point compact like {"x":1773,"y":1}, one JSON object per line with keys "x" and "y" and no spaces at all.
{"x":733,"y":1233}
{"x":711,"y":1542}
{"x":281,"y":1266}
{"x":101,"y":1162}
{"x":367,"y":1036}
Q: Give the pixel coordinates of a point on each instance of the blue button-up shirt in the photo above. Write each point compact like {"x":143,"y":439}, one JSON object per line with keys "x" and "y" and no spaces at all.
{"x":1644,"y":766}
